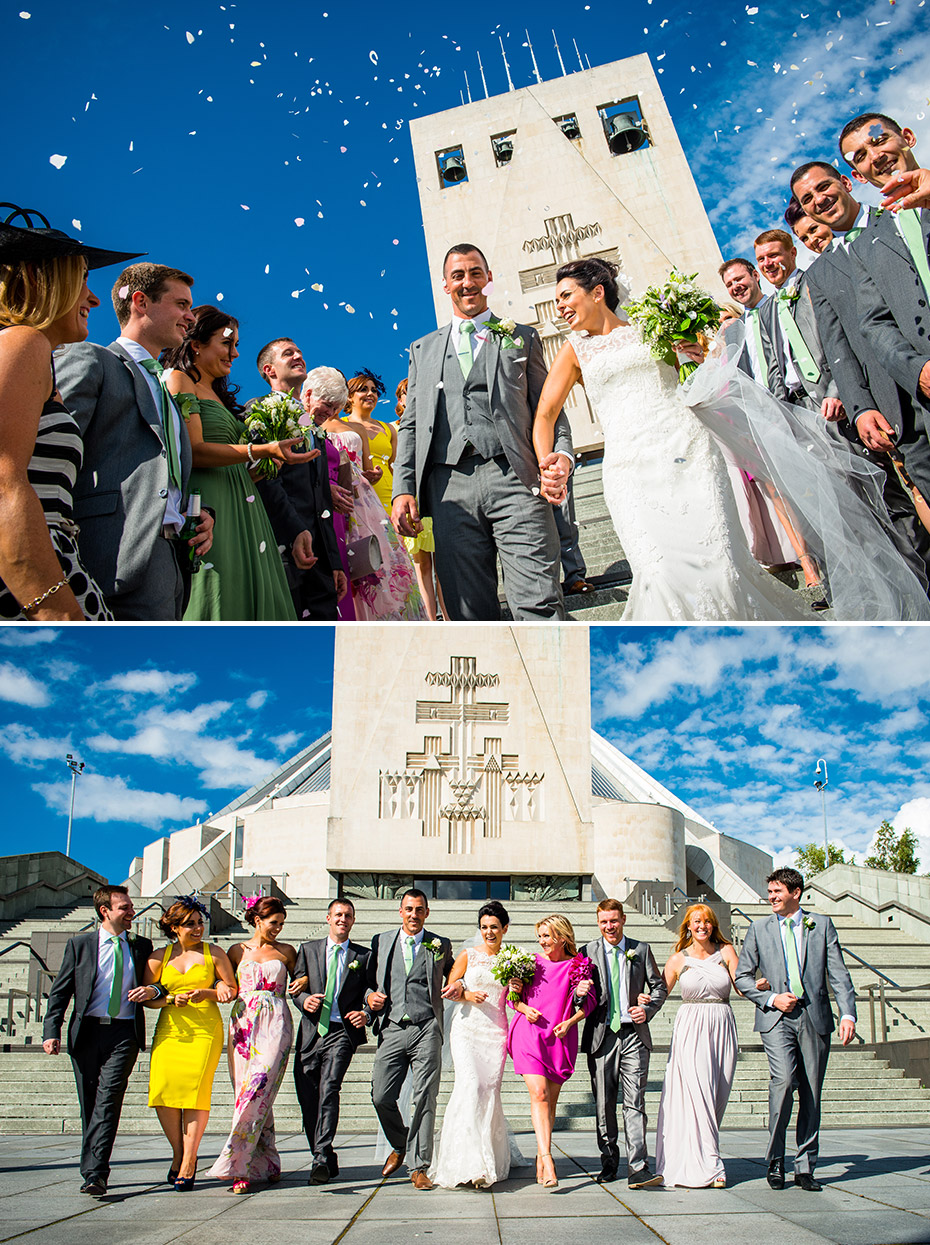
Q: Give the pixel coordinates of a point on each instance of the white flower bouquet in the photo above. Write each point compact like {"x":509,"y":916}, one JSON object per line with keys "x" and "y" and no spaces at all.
{"x":674,"y":312}
{"x":512,"y":962}
{"x":278,"y":417}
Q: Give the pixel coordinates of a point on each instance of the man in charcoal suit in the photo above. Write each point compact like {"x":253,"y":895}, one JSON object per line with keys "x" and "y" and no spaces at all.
{"x":797,"y":956}
{"x":617,"y":1042}
{"x":332,"y":1027}
{"x":406,"y":971}
{"x":465,"y":451}
{"x":101,"y":971}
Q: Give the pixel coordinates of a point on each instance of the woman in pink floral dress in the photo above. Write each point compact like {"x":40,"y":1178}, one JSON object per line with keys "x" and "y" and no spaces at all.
{"x":260,"y":1034}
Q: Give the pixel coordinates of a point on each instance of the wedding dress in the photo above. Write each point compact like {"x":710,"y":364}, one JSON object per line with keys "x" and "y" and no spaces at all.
{"x":669,"y":495}
{"x":476,"y":1144}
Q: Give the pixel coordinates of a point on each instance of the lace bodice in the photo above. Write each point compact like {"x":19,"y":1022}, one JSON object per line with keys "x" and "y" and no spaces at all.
{"x":479,"y":976}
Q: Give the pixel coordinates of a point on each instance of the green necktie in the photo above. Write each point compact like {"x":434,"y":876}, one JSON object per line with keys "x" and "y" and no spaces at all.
{"x":326,"y":1007}
{"x":912,"y":232}
{"x":116,"y":990}
{"x":794,"y":968}
{"x":408,"y":952}
{"x":466,"y":357}
{"x":615,"y":990}
{"x":753,"y":316}
{"x":154,"y":368}
{"x":852,"y":234}
{"x":802,"y":356}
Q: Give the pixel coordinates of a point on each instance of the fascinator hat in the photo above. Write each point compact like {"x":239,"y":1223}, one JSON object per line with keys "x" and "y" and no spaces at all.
{"x":31,"y":243}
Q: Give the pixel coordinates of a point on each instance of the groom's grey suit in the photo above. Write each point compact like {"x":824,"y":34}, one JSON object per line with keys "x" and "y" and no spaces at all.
{"x":618,"y":1062}
{"x":465,"y":450}
{"x":797,"y":1044}
{"x":409,"y":1030}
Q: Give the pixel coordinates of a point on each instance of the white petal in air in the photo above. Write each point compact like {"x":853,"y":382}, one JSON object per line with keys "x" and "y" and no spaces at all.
{"x":58,"y":161}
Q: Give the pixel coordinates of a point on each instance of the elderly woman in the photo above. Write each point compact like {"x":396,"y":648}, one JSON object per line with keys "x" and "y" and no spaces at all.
{"x":189,"y":1035}
{"x":543,"y":1038}
{"x":387,"y":591}
{"x":365,"y":390}
{"x":44,"y":304}
{"x":323,"y":396}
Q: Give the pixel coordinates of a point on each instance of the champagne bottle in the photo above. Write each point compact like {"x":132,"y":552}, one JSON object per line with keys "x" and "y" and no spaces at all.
{"x":189,"y":530}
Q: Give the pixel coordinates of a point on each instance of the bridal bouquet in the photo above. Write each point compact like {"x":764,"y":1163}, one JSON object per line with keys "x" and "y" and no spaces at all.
{"x":276,"y":418}
{"x":676,"y":311}
{"x":513,"y":962}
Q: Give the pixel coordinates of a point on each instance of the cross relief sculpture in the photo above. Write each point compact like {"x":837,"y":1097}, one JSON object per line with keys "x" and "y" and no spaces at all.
{"x":462,"y":784}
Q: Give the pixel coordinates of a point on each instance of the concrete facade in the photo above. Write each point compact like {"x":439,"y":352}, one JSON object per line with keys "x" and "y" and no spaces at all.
{"x":559,"y":198}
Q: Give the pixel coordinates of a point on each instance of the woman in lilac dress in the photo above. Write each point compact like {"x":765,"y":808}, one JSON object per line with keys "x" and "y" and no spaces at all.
{"x":543,"y":1038}
{"x":260,"y":1035}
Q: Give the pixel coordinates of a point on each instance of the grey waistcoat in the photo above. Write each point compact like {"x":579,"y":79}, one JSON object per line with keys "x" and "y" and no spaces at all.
{"x":410,"y":995}
{"x":463,"y":412}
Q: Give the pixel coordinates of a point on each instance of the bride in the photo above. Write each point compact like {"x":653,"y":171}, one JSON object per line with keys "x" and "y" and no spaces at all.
{"x":476,"y":1145}
{"x":665,"y":482}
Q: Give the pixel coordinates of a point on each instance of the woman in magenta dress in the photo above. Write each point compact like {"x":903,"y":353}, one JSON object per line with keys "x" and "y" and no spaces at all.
{"x":543,"y":1038}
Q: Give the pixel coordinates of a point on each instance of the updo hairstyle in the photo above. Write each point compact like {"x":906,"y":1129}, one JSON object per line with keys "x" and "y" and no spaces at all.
{"x":494,"y":908}
{"x":176,"y":915}
{"x":261,"y":911}
{"x":590,"y":273}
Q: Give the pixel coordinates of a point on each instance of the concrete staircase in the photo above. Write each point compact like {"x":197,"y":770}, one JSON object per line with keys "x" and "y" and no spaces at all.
{"x":37,"y":1091}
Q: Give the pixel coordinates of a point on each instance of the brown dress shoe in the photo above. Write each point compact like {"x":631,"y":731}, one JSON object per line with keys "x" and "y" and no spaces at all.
{"x":420,"y":1180}
{"x":394,"y":1160}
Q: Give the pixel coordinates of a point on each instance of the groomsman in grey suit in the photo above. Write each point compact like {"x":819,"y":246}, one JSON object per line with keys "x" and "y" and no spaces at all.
{"x":131,"y":493}
{"x":332,"y":1028}
{"x":797,"y":956}
{"x":101,"y":971}
{"x":742,"y":284}
{"x":465,"y":450}
{"x":406,"y":971}
{"x":617,"y":1042}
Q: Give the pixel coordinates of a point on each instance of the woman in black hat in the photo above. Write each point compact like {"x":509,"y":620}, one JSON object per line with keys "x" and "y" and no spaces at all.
{"x":44,"y":303}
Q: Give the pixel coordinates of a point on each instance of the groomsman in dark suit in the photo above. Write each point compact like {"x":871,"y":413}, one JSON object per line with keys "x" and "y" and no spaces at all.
{"x":617,"y":1042}
{"x":406,"y":971}
{"x":797,"y":955}
{"x":101,"y":971}
{"x":332,"y":1028}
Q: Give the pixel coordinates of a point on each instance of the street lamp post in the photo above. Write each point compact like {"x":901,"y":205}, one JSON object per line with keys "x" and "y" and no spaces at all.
{"x":75,"y":767}
{"x":821,"y":786}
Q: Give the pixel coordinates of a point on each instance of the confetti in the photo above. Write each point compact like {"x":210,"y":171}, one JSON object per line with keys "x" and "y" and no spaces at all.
{"x":77,"y":225}
{"x":227,"y":331}
{"x":189,"y":36}
{"x":372,"y":56}
{"x":317,"y":287}
{"x":219,"y":298}
{"x":324,"y":514}
{"x":350,"y":309}
{"x":123,"y":291}
{"x":58,"y":161}
{"x":261,"y":547}
{"x":245,"y":207}
{"x":250,"y":498}
{"x":25,"y":16}
{"x":298,"y":221}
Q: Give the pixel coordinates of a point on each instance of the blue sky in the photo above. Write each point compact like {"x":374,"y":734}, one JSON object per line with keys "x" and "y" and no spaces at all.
{"x":203,"y":133}
{"x":174,"y":722}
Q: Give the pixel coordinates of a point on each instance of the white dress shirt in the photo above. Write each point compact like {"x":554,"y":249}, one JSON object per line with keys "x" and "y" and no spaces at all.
{"x":173,"y":516}
{"x":798,"y":932}
{"x":624,"y":1001}
{"x":478,"y":338}
{"x":99,"y":1004}
{"x":340,"y":949}
{"x":861,"y":222}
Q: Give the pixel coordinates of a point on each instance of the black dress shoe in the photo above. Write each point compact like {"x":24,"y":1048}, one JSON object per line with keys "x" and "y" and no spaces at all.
{"x":319,"y":1173}
{"x":606,"y":1175}
{"x":804,"y":1180}
{"x":333,"y":1164}
{"x":96,"y":1186}
{"x":643,"y":1179}
{"x":776,"y":1176}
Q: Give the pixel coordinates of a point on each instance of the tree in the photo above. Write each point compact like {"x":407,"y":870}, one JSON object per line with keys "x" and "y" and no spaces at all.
{"x":893,"y":852}
{"x":809,"y":858}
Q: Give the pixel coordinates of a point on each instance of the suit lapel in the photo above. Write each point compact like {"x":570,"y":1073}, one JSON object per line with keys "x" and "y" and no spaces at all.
{"x":492,"y":352}
{"x":384,"y":968}
{"x":434,"y":353}
{"x":805,"y":932}
{"x":144,"y":400}
{"x":319,"y":953}
{"x":887,"y":232}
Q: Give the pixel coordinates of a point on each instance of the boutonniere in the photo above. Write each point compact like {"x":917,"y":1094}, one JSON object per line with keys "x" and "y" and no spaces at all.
{"x":808,"y":923}
{"x":435,"y":947}
{"x":789,"y":296}
{"x":353,"y":967}
{"x":630,"y":954}
{"x":130,"y":936}
{"x":504,"y":331}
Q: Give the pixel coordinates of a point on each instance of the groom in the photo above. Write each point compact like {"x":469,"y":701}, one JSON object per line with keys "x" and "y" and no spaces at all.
{"x":617,"y":1042}
{"x":464,"y":448}
{"x":799,"y":955}
{"x":406,"y":971}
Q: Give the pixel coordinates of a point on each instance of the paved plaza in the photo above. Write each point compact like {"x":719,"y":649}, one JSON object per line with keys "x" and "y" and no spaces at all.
{"x":876,"y":1192}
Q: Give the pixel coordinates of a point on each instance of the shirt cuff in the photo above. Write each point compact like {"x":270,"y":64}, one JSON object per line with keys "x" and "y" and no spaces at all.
{"x":847,"y":1016}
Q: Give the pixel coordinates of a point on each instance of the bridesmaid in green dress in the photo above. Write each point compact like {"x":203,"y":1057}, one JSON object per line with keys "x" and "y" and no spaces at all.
{"x":244,"y":577}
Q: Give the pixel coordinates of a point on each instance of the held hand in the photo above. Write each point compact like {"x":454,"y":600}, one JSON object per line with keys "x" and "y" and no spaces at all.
{"x":515,"y":985}
{"x":553,"y":478}
{"x":376,"y":1000}
{"x":203,"y":541}
{"x":763,"y":983}
{"x":847,"y":1031}
{"x":225,"y":993}
{"x":638,"y":1015}
{"x":373,"y":474}
{"x":785,"y":1002}
{"x":357,"y":1019}
{"x":583,"y":988}
{"x":479,"y":996}
{"x":454,"y":991}
{"x":924,"y":381}
{"x":873,"y":428}
{"x":691,"y":351}
{"x":532,"y":1015}
{"x":644,"y":1000}
{"x":562,"y":1029}
{"x":343,"y":500}
{"x":302,"y":551}
{"x":299,"y":984}
{"x":909,"y":189}
{"x":284,"y":452}
{"x":405,"y":516}
{"x":51,"y":1046}
{"x":181,"y":1000}
{"x":833,"y":410}
{"x":341,"y":581}
{"x":313,"y":1003}
{"x":200,"y":996}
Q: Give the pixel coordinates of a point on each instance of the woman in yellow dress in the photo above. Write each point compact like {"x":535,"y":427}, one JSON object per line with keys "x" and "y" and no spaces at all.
{"x":189,"y":1035}
{"x":365,"y":389}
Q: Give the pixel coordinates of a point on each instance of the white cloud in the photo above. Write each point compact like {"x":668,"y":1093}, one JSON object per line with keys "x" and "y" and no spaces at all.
{"x":21,"y":688}
{"x":101,"y":798}
{"x":150,"y":682}
{"x":27,"y":637}
{"x":23,"y":744}
{"x":915,"y":815}
{"x":257,"y":699}
{"x":285,"y":742}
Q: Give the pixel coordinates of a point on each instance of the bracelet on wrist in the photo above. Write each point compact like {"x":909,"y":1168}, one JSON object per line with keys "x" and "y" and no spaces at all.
{"x":249,"y":452}
{"x":37,"y":601}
